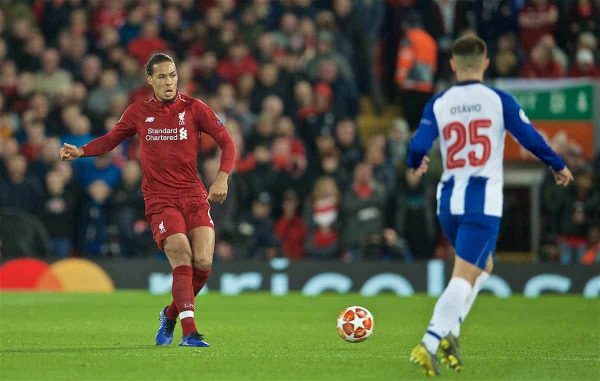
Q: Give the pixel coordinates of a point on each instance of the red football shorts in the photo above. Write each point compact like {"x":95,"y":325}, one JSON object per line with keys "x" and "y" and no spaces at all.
{"x":168,"y":216}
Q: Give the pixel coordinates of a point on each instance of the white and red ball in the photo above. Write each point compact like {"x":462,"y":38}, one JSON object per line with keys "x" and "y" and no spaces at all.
{"x":355,"y":324}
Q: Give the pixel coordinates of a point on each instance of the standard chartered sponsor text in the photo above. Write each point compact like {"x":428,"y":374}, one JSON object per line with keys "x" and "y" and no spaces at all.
{"x":159,"y":134}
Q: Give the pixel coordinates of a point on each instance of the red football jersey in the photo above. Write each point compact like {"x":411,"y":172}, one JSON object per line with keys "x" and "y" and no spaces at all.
{"x":169,"y":134}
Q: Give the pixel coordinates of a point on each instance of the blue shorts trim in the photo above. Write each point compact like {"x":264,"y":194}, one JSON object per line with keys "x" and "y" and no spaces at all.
{"x":473,"y":235}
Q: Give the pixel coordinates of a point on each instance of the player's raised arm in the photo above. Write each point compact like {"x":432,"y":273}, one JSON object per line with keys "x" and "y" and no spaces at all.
{"x":213,"y":126}
{"x":122,"y":130}
{"x":422,"y":140}
{"x":517,"y":123}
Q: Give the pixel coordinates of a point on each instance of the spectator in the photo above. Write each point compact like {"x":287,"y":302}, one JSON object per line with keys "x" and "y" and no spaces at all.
{"x":268,"y":83}
{"x":171,"y":29}
{"x":127,"y":205}
{"x":321,"y":216}
{"x":397,"y":145}
{"x":33,"y":148}
{"x":584,"y":65}
{"x":100,"y":168}
{"x":416,"y":64}
{"x":256,"y":231}
{"x":584,"y":16}
{"x":238,"y":61}
{"x":541,"y":63}
{"x":132,"y":26}
{"x":289,"y":228}
{"x":331,"y":167}
{"x":263,"y":177}
{"x":109,"y":88}
{"x":363,"y":215}
{"x":536,"y":19}
{"x":347,"y":140}
{"x":206,"y":75}
{"x":506,"y":60}
{"x":287,"y":37}
{"x":366,"y":45}
{"x":91,"y":70}
{"x":79,"y":128}
{"x":345,"y":98}
{"x":250,"y":29}
{"x":33,"y":53}
{"x":414,"y":216}
{"x":147,"y":43}
{"x":315,"y":117}
{"x":130,"y":79}
{"x":19,"y":190}
{"x":52,"y":80}
{"x":592,"y":254}
{"x":326,"y":52}
{"x":95,"y":219}
{"x":58,"y":213}
{"x":375,"y":156}
{"x":580,"y":211}
{"x":33,"y":240}
{"x":494,"y":20}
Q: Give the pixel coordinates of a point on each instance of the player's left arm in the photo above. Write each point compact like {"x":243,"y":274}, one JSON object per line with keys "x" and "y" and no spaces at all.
{"x":422,"y":140}
{"x":209,"y":122}
{"x":517,"y":123}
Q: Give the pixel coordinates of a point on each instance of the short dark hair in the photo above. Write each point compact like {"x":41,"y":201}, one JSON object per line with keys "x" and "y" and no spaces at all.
{"x":156,"y":59}
{"x":469,"y":45}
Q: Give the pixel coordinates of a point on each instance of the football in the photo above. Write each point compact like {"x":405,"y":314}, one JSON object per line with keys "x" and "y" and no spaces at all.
{"x":355,"y":324}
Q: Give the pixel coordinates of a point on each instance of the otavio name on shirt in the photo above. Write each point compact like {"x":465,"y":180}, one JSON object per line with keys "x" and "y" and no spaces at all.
{"x":461,"y":109}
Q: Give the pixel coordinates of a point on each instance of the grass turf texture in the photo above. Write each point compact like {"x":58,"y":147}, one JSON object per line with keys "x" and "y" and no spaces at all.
{"x":258,"y":336}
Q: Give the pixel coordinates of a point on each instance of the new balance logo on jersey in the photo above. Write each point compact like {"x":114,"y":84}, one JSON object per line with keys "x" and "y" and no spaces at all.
{"x":182,"y":118}
{"x":182,"y":134}
{"x":150,"y":119}
{"x":161,"y":227}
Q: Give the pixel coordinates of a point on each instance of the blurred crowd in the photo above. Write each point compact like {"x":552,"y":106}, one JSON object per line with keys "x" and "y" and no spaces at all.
{"x":288,"y":78}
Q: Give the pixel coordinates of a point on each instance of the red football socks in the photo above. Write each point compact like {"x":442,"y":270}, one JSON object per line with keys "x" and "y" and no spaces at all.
{"x":199,"y":279}
{"x":183,"y":297}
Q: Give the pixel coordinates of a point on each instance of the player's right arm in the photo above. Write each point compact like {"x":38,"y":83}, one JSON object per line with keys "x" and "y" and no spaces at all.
{"x":122,"y":130}
{"x":422,"y":140}
{"x":517,"y":123}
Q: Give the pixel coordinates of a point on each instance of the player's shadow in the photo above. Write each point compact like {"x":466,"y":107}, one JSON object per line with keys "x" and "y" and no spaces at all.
{"x":76,"y":349}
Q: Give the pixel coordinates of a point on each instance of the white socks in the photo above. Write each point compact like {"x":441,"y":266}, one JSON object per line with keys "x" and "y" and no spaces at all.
{"x":479,"y":282}
{"x":447,"y":312}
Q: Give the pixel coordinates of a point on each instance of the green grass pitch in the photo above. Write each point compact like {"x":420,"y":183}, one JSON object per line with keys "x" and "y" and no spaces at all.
{"x":263,"y":337}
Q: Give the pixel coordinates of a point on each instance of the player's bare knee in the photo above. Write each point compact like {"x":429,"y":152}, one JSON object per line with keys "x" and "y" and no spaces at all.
{"x":203,"y":264}
{"x":179,"y":255}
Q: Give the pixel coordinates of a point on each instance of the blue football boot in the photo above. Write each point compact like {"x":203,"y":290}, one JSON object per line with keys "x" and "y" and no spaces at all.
{"x":164,"y":335}
{"x":194,"y":339}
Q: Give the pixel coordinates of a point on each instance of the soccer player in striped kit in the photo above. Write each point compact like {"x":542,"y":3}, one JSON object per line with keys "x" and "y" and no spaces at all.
{"x":471,"y":120}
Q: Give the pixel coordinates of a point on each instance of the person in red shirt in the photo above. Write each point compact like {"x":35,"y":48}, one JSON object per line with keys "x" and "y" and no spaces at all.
{"x":168,"y":125}
{"x":239,"y":61}
{"x":541,"y":63}
{"x":537,"y":19}
{"x":149,"y":41}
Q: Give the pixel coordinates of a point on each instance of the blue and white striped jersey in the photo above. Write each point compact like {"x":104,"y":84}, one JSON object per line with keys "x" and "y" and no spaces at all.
{"x":472,"y":119}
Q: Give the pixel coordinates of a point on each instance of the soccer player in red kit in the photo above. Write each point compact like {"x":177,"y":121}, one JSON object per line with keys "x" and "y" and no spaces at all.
{"x":177,"y":204}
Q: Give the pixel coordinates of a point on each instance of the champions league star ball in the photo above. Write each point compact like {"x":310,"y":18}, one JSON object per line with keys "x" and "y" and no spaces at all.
{"x":355,"y":324}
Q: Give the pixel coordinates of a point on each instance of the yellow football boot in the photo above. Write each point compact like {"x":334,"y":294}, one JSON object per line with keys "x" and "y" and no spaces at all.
{"x":450,"y":352}
{"x":426,"y":360}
